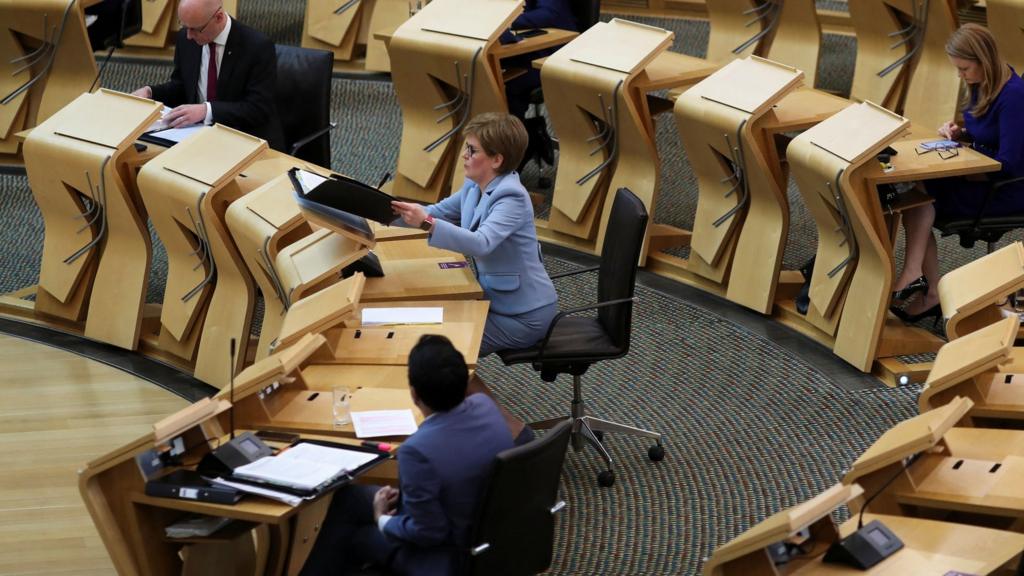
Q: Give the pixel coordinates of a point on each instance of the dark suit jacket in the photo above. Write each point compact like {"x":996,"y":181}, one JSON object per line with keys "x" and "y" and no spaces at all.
{"x":442,"y":469}
{"x":246,"y":82}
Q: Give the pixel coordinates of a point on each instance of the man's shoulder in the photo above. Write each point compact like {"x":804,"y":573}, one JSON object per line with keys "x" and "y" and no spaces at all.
{"x":248,"y":33}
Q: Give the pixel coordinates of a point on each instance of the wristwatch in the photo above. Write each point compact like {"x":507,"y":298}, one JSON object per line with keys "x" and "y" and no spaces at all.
{"x":427,"y":224}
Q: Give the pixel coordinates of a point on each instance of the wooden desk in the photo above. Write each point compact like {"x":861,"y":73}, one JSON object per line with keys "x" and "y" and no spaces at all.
{"x":929,"y":546}
{"x":52,"y":35}
{"x":973,"y":295}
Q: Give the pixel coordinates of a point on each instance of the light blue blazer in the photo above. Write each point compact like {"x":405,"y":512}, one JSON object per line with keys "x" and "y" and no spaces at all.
{"x":497,"y":231}
{"x":442,"y":469}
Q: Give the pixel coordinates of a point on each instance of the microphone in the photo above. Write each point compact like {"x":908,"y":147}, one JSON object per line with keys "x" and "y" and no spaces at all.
{"x":231,"y":391}
{"x":906,"y":466}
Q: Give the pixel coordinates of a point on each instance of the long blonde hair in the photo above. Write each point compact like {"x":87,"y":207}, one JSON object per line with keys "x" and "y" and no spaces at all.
{"x":974,"y":42}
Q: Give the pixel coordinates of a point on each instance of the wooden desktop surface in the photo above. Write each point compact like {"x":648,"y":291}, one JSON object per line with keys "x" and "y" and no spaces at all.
{"x":908,"y":165}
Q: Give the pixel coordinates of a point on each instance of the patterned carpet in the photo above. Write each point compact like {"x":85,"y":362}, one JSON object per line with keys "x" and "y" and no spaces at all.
{"x":750,"y":428}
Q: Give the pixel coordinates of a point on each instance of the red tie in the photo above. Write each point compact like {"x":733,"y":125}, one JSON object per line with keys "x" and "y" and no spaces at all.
{"x":211,"y":74}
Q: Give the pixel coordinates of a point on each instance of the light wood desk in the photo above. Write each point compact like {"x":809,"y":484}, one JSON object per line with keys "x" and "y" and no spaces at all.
{"x":975,"y":475}
{"x":901,"y":60}
{"x":973,"y":295}
{"x":983,"y":366}
{"x":46,"y":63}
{"x":1005,"y":18}
{"x":930,"y":547}
{"x":131,"y":523}
{"x":444,"y":75}
{"x":741,"y":219}
{"x":834,"y":165}
{"x":96,"y":249}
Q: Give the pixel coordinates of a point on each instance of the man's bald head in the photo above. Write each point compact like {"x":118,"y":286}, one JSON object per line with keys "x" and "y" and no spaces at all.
{"x":203,"y":19}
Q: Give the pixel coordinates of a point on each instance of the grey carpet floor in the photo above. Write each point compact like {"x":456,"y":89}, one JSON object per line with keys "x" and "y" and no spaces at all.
{"x":750,"y":428}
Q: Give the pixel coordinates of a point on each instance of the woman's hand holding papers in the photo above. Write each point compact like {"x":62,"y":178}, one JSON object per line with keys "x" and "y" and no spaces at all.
{"x":412,"y":214}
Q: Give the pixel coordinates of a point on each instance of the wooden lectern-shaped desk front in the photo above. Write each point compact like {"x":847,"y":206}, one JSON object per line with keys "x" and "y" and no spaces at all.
{"x":901,"y":58}
{"x":929,"y":546}
{"x":853,"y":269}
{"x":443,"y":76}
{"x":972,"y":296}
{"x":96,"y":250}
{"x":984,"y":367}
{"x":604,"y":128}
{"x":208,"y":299}
{"x":927,"y":467}
{"x":785,"y":31}
{"x":742,"y":217}
{"x":46,"y":63}
{"x":1005,"y":18}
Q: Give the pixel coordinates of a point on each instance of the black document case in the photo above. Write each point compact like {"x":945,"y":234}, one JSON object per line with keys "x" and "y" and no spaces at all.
{"x":346,"y":195}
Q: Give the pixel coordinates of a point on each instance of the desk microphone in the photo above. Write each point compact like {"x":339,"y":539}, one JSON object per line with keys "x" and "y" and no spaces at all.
{"x":231,"y":391}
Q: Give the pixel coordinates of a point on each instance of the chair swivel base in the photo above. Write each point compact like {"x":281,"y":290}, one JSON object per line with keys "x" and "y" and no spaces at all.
{"x":585,"y":430}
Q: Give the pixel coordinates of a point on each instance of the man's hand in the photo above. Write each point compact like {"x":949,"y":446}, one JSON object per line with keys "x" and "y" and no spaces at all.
{"x":950,"y":131}
{"x":411,"y":213}
{"x":385,"y":501}
{"x":144,"y":92}
{"x":186,"y":115}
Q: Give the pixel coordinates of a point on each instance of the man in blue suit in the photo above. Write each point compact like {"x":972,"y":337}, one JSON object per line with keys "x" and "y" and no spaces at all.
{"x":442,"y":469}
{"x":490,"y":219}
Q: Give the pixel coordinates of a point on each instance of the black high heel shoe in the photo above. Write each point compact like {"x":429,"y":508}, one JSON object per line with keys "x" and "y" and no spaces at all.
{"x":919,"y":285}
{"x":934,"y":311}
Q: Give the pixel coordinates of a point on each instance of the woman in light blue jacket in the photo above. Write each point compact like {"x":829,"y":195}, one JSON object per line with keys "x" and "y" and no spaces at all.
{"x":490,"y":219}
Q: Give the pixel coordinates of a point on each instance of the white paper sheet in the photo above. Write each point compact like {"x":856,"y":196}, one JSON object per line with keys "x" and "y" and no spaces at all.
{"x":309,"y":180}
{"x":384,"y":316}
{"x":178,"y":134}
{"x":375,"y":423}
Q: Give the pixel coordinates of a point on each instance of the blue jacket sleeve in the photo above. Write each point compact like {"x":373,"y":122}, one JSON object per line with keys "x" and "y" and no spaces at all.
{"x":421,"y":519}
{"x":505,"y":217}
{"x":1011,"y":140}
{"x":546,"y":14}
{"x":450,"y":208}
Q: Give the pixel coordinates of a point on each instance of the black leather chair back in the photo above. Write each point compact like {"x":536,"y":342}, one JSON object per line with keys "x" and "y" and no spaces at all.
{"x":515,"y":517}
{"x":587,"y":13}
{"x":304,"y":99}
{"x":620,"y":256}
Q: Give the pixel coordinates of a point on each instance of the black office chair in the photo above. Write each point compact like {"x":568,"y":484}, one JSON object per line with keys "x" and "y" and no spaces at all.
{"x":573,"y":343}
{"x":988,"y":229}
{"x":303,"y":101}
{"x":514,"y":531}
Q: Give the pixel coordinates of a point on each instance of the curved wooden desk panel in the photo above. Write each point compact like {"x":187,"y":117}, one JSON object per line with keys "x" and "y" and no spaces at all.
{"x":797,"y":38}
{"x":443,"y":77}
{"x":324,"y":28}
{"x":101,"y":253}
{"x":735,"y":24}
{"x":45,"y":63}
{"x":933,"y":88}
{"x":1006,"y":21}
{"x":874,"y":21}
{"x":187,"y":190}
{"x":599,"y":111}
{"x":971,"y":295}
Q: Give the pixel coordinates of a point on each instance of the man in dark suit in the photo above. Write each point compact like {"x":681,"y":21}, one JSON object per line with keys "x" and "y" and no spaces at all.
{"x":235,"y":87}
{"x":442,"y":469}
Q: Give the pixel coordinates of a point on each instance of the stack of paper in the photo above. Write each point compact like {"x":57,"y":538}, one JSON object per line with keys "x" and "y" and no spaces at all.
{"x":196,"y":526}
{"x":411,"y":315}
{"x":375,"y":423}
{"x":304,"y":466}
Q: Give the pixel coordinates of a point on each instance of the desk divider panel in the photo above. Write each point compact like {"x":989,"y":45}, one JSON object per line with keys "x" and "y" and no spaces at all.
{"x":1005,"y":18}
{"x":96,"y":250}
{"x":604,"y":126}
{"x":972,"y":295}
{"x":716,"y":119}
{"x":850,"y":254}
{"x":443,"y":77}
{"x":50,"y":35}
{"x":187,"y":190}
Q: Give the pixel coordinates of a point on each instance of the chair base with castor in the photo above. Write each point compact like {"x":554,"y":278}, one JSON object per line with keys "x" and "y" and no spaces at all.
{"x":588,"y":430}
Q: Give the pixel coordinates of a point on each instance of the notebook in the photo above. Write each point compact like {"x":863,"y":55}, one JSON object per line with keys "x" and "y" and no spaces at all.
{"x":305,"y":466}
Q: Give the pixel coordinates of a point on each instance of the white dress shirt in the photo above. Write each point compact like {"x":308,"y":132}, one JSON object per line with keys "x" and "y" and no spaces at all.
{"x":204,"y":67}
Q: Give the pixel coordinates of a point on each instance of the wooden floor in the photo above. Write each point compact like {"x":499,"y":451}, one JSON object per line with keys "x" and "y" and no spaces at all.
{"x":58,"y":411}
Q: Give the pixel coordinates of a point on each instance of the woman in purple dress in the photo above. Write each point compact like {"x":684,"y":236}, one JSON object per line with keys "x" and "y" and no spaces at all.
{"x":994,"y":126}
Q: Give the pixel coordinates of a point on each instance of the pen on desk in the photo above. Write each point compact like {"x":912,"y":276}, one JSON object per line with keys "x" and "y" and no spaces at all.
{"x":379,"y":446}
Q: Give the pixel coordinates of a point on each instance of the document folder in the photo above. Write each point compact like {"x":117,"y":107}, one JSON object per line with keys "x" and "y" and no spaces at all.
{"x":342,"y":194}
